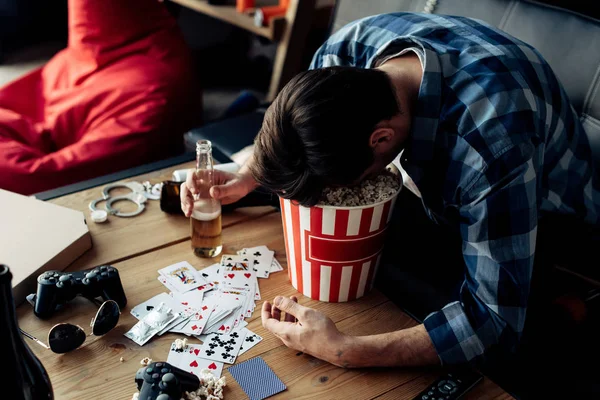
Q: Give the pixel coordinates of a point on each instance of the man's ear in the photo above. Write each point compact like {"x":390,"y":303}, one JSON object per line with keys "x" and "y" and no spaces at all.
{"x":381,"y":139}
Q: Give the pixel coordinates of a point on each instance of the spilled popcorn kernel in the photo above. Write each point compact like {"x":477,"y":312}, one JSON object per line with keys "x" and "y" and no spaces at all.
{"x":145,"y":361}
{"x":180,"y":343}
{"x":210,"y":388}
{"x":121,"y":359}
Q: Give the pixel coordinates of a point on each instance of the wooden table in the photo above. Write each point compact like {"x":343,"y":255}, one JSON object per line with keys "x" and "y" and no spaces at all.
{"x":140,"y":246}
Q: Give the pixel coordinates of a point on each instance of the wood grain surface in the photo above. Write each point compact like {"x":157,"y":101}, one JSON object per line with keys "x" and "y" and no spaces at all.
{"x":141,"y":246}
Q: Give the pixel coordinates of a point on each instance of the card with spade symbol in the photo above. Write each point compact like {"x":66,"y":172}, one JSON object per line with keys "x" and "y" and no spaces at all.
{"x":188,"y":359}
{"x":144,"y":308}
{"x":223,"y":348}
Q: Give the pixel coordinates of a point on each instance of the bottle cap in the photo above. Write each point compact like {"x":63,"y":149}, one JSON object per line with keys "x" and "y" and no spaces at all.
{"x":99,"y":216}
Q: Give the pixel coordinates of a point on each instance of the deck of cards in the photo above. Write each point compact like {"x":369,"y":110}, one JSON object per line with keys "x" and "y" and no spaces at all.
{"x":211,"y":305}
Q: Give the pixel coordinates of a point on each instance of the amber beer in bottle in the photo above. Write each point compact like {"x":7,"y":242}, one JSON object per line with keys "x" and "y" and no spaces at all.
{"x":206,"y":215}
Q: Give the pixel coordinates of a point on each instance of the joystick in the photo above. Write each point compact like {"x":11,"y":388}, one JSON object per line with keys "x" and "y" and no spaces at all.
{"x":57,"y":287}
{"x":162,"y":381}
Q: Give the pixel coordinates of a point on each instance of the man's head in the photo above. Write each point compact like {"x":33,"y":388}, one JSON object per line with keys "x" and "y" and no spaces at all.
{"x":329,"y":126}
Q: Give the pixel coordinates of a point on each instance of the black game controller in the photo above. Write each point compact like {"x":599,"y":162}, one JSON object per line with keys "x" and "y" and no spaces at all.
{"x":162,"y":381}
{"x":57,"y":287}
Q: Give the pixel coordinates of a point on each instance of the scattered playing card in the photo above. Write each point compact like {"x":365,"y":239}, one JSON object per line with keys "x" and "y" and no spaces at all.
{"x":141,"y":310}
{"x":262,"y":259}
{"x":182,"y":276}
{"x":239,"y":278}
{"x":251,"y":340}
{"x":234,"y":262}
{"x":175,"y":355}
{"x":223,"y":348}
{"x":211,"y":274}
{"x":257,"y":379}
{"x":275,"y":266}
{"x":188,"y":359}
{"x":192,"y":362}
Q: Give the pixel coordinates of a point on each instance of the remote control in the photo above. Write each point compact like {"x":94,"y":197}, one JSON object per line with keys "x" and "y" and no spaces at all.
{"x":451,"y":386}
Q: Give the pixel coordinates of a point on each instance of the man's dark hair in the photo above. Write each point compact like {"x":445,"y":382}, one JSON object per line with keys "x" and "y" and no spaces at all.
{"x":316,"y":131}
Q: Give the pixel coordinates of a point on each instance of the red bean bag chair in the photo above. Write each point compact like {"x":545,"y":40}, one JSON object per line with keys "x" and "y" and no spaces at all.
{"x":120,"y":95}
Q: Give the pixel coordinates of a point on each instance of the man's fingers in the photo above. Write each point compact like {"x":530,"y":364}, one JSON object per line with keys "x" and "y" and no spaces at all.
{"x":290,"y":317}
{"x":279,"y":328}
{"x":266,"y":311}
{"x":275,"y":313}
{"x":289,"y":306}
{"x":190,"y":181}
{"x":187,"y":200}
{"x":231,"y":188}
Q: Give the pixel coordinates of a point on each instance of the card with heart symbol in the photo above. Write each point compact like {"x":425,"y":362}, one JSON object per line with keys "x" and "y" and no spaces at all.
{"x":223,"y":348}
{"x":239,"y":278}
{"x":188,"y":359}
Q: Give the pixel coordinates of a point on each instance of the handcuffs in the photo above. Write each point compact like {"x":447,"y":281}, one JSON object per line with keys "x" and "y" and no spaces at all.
{"x":140,"y":193}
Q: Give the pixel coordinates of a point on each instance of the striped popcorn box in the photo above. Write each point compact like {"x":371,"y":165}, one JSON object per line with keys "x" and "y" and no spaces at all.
{"x":333,"y":252}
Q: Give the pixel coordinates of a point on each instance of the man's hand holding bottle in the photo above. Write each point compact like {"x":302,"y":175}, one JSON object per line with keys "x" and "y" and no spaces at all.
{"x":228,"y":188}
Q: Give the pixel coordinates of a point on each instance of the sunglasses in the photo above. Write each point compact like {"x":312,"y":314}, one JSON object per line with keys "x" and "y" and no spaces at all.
{"x":65,"y":337}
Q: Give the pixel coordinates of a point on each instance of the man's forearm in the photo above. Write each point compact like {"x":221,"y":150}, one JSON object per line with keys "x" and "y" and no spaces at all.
{"x":404,"y":348}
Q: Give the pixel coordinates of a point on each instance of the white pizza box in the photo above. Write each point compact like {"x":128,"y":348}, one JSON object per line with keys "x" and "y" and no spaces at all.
{"x":37,"y":236}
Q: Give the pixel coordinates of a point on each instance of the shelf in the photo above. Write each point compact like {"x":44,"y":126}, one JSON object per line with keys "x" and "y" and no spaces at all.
{"x":230,"y":15}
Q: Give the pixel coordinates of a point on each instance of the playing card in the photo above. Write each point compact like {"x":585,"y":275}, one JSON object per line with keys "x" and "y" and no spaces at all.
{"x":256,"y":379}
{"x":144,"y":308}
{"x":223,"y":348}
{"x":262,"y":259}
{"x":182,"y":276}
{"x":196,"y":323}
{"x":192,"y":362}
{"x":203,"y":337}
{"x":191,"y":299}
{"x":233,"y":262}
{"x":212,"y":274}
{"x":187,"y":359}
{"x":175,"y":355}
{"x":251,"y":339}
{"x":167,"y":284}
{"x":276,"y":266}
{"x":239,"y":278}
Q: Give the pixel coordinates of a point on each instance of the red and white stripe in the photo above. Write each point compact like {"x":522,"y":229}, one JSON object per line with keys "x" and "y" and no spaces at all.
{"x":333,"y":254}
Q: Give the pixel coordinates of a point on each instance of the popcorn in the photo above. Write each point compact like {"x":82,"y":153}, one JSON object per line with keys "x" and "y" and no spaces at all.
{"x":210,"y":388}
{"x":121,"y":359}
{"x":369,"y":191}
{"x":180,"y":343}
{"x":136,"y":396}
{"x":145,"y":361}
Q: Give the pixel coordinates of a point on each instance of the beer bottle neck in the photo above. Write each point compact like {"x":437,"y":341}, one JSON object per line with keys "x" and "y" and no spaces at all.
{"x":204,"y":161}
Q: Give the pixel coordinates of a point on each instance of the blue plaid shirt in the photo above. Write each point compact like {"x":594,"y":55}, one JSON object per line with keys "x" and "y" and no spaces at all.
{"x":495,"y":144}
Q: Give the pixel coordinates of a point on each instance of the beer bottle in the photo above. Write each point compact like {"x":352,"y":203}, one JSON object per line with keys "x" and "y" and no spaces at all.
{"x":206,"y":215}
{"x":25,"y":378}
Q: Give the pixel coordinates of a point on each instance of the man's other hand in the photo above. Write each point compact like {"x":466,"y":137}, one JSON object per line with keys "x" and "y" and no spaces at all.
{"x":303,"y":328}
